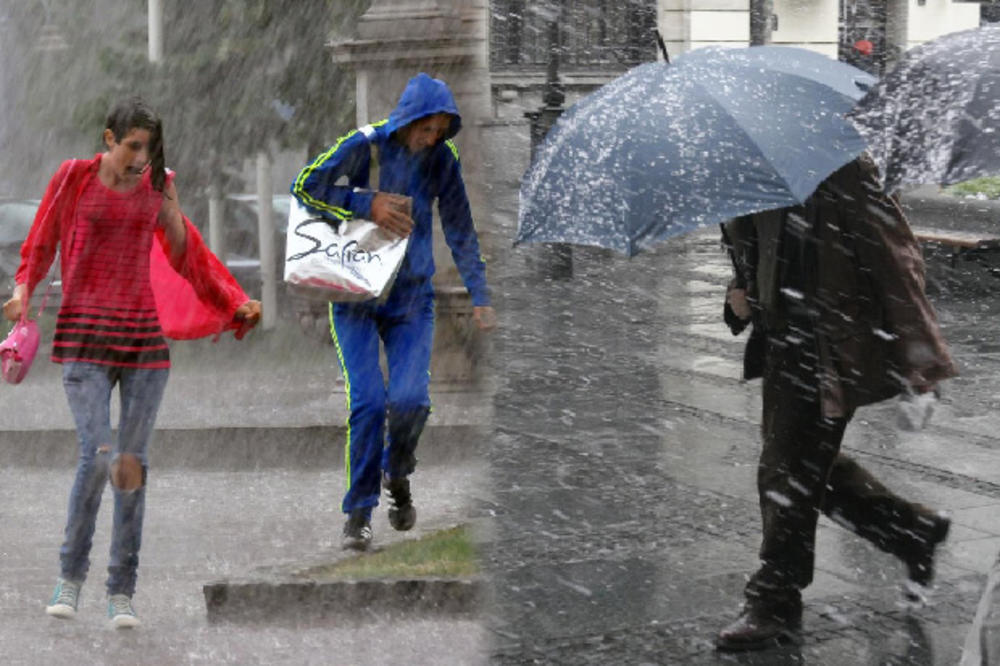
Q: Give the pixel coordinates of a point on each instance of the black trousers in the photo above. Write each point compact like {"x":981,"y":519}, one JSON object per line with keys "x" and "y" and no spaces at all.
{"x":802,"y":472}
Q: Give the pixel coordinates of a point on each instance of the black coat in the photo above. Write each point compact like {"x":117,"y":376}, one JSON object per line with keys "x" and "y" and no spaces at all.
{"x":862,"y":281}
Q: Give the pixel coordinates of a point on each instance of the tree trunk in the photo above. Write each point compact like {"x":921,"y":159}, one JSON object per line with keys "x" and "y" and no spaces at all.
{"x":265,"y":228}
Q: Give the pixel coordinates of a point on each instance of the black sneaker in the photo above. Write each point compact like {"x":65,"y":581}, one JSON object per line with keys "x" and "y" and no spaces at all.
{"x":357,"y":531}
{"x":920,"y":562}
{"x":402,"y":513}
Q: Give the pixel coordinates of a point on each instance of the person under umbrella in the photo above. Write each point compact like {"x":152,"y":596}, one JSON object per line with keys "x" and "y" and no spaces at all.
{"x":834,"y":290}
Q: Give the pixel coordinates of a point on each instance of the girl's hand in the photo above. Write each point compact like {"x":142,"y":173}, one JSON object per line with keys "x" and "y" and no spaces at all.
{"x":14,"y":307}
{"x":248,"y":315}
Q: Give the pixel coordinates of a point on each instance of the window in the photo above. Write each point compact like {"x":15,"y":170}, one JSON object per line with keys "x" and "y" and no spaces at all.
{"x":595,"y":34}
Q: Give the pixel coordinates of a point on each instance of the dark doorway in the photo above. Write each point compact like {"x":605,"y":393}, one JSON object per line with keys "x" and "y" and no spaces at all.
{"x":862,"y":34}
{"x":989,"y":12}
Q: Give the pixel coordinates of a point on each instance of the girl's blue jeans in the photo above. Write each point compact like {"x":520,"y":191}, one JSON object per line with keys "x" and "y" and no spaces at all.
{"x":88,"y":388}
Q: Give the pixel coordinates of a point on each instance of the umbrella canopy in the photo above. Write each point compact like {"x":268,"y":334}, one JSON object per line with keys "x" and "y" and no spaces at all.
{"x":665,"y":148}
{"x":935,"y":118}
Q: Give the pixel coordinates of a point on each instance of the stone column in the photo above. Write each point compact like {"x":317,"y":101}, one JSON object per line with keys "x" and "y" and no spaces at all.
{"x":761,"y":12}
{"x":396,"y":39}
{"x":896,"y":29}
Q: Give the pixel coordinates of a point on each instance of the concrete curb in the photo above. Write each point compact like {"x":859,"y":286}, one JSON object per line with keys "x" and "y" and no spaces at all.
{"x":982,"y":643}
{"x":929,"y":207}
{"x":293,"y":600}
{"x":239,"y":449}
{"x":975,"y":273}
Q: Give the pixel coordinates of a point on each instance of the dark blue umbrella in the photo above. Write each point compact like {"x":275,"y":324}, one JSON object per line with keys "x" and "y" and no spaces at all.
{"x":935,"y":118}
{"x":665,"y":149}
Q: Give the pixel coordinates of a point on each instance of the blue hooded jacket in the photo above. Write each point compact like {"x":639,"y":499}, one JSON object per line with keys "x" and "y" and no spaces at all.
{"x":430,"y":174}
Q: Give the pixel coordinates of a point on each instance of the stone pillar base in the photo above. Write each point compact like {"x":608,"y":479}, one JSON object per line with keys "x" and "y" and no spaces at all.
{"x":459,"y":347}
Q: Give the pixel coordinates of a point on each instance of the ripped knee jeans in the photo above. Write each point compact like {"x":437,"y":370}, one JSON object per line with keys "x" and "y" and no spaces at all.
{"x":102,"y":456}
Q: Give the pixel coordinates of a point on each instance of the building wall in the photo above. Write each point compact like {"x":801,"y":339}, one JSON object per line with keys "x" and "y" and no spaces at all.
{"x":809,"y":24}
{"x":938,"y":17}
{"x":689,"y":24}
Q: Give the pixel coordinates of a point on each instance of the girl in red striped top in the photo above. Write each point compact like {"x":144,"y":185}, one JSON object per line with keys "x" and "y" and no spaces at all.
{"x":107,"y":214}
{"x":108,"y":314}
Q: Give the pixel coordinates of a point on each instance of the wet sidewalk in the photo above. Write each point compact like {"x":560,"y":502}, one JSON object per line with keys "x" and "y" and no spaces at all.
{"x":210,"y":526}
{"x":624,"y":470}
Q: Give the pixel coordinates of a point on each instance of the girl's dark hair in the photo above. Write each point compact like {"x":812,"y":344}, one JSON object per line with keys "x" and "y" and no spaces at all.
{"x":134,"y":113}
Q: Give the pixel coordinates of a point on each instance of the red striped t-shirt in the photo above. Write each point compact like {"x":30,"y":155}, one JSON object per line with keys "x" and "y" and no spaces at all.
{"x":108,"y":313}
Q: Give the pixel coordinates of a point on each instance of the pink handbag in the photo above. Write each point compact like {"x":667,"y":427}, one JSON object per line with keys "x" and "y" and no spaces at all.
{"x":18,"y":350}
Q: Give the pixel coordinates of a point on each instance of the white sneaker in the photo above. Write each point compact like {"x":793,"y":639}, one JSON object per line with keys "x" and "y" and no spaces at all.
{"x":64,"y":599}
{"x":120,"y":612}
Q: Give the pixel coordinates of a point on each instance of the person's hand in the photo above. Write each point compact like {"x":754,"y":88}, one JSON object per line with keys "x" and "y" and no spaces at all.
{"x":738,"y":303}
{"x":391,"y":212}
{"x":14,"y":307}
{"x":485,"y":317}
{"x":248,"y":315}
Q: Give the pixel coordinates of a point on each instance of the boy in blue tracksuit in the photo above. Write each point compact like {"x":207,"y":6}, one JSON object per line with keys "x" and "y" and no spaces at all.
{"x":416,"y":159}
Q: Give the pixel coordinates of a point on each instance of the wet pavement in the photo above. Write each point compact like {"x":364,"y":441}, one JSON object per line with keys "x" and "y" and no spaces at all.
{"x":246,"y":474}
{"x":204,"y":526}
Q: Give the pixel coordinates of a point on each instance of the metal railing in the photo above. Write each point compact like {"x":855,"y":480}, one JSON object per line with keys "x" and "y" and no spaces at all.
{"x":593,"y":34}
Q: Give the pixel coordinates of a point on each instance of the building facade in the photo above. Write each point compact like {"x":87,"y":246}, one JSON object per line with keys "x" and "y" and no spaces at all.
{"x":601,"y":39}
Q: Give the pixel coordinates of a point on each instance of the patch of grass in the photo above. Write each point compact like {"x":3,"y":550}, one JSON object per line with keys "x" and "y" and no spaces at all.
{"x":988,"y":187}
{"x":446,"y":554}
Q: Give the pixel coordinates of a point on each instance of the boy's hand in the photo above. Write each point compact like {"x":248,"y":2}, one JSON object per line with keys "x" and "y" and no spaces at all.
{"x":485,"y":317}
{"x":392,"y":213}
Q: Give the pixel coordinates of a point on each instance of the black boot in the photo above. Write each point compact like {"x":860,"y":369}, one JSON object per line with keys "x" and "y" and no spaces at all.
{"x":919,"y":559}
{"x":761,"y":626}
{"x":402,"y":513}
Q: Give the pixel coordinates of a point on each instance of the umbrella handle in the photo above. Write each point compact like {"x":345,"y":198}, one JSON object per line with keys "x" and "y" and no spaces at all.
{"x":663,"y":47}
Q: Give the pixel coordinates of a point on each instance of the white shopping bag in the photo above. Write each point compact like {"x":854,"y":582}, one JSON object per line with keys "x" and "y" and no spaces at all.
{"x":356,"y":261}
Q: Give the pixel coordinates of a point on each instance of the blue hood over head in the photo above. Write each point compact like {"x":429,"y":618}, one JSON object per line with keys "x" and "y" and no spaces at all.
{"x":424,"y":96}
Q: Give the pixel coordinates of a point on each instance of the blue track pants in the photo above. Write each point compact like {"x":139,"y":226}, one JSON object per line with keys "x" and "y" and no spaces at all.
{"x":405,"y":326}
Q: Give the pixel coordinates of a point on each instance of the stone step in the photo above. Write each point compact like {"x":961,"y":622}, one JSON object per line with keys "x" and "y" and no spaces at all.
{"x":240,"y":449}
